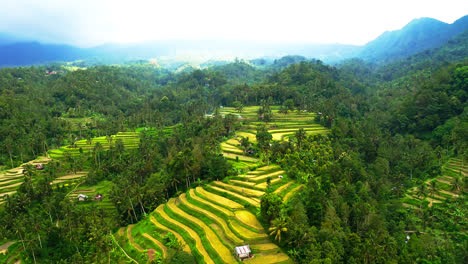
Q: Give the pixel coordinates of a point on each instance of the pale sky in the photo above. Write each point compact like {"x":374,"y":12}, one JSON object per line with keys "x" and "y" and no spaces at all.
{"x":92,"y":22}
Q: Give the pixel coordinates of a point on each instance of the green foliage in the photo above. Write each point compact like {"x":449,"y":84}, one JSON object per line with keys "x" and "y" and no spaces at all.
{"x":391,"y":128}
{"x":263,"y":138}
{"x":271,"y":206}
{"x":182,"y":257}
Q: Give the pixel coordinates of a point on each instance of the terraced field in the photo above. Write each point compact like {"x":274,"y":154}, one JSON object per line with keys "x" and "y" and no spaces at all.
{"x":10,"y":252}
{"x":441,"y":188}
{"x":129,"y":139}
{"x":11,"y":179}
{"x":102,"y":188}
{"x":211,"y":220}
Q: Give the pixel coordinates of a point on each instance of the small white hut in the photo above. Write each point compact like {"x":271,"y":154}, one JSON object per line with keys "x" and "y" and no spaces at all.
{"x":243,"y":252}
{"x":82,"y":197}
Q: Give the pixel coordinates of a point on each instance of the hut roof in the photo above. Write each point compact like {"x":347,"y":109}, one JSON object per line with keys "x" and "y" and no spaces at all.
{"x":243,"y":251}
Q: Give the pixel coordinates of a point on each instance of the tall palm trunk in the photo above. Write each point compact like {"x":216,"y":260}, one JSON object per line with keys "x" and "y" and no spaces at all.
{"x":133,"y":208}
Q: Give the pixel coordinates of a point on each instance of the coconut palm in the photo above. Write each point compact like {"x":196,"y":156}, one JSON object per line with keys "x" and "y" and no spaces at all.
{"x":28,"y":170}
{"x":174,"y":183}
{"x":89,"y":140}
{"x":109,"y":139}
{"x":300,"y":136}
{"x":278,"y":226}
{"x":434,"y":188}
{"x":98,"y":148}
{"x":422,"y":190}
{"x":245,"y":143}
{"x":457,"y":184}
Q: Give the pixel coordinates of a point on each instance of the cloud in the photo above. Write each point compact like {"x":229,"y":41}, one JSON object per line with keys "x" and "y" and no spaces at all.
{"x":93,"y":22}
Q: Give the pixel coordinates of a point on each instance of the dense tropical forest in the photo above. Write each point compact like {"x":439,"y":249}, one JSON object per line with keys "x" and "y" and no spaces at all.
{"x":375,"y":155}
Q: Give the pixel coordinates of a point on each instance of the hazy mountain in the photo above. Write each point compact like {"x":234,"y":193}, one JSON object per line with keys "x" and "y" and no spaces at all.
{"x":419,"y":35}
{"x":6,"y":38}
{"x":29,"y":53}
{"x":197,"y":52}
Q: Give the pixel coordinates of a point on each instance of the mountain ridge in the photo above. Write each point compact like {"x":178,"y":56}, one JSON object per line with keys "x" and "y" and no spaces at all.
{"x":418,"y":35}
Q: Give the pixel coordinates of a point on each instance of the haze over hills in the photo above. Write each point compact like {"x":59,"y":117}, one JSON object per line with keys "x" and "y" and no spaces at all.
{"x":420,"y":34}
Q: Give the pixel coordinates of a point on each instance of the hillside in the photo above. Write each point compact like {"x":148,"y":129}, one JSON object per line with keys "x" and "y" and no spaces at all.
{"x":418,"y":35}
{"x":189,"y":166}
{"x":210,"y":221}
{"x":452,"y":51}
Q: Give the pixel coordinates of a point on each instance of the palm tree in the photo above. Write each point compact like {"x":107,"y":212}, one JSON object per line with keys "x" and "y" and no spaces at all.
{"x":245,"y":143}
{"x":434,"y":188}
{"x":238,"y":106}
{"x":300,"y":136}
{"x":89,"y":140}
{"x":422,"y":190}
{"x":109,"y":140}
{"x":97,"y":153}
{"x":9,"y":146}
{"x":28,"y":170}
{"x":457,"y":184}
{"x":278,"y":226}
{"x":174,"y":183}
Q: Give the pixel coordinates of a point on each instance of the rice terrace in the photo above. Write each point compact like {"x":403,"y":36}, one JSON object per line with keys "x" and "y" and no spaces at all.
{"x":210,"y":221}
{"x":207,"y":221}
{"x":264,"y":133}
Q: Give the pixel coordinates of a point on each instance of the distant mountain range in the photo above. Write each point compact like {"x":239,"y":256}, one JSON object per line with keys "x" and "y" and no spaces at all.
{"x":418,"y":35}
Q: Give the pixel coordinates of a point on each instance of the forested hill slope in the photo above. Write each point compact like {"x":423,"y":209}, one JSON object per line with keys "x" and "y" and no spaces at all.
{"x":209,"y":221}
{"x":418,"y":35}
{"x":455,"y":50}
{"x":452,"y":51}
{"x":385,"y":140}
